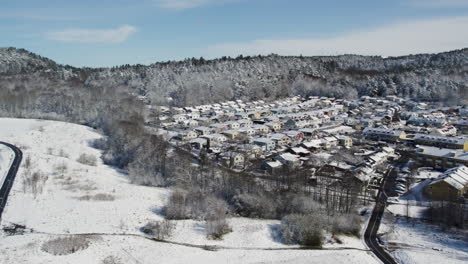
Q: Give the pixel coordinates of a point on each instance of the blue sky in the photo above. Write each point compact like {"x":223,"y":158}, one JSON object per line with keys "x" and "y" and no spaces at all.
{"x":114,"y":32}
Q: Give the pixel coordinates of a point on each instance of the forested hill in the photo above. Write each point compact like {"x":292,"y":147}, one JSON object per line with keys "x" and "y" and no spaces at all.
{"x":442,"y":76}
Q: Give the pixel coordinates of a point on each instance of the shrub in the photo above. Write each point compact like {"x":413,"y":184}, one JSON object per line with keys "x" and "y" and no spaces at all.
{"x":216,"y":223}
{"x":256,"y":206}
{"x":86,"y":159}
{"x":299,"y":204}
{"x":111,"y":260}
{"x":305,"y":230}
{"x":65,"y":245}
{"x":61,"y":168}
{"x":158,"y":229}
{"x":62,"y":153}
{"x":347,"y":224}
{"x":194,"y":204}
{"x":97,"y":197}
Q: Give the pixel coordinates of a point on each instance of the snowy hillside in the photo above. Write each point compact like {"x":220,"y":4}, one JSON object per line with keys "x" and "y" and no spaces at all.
{"x":96,"y":203}
{"x":436,"y":77}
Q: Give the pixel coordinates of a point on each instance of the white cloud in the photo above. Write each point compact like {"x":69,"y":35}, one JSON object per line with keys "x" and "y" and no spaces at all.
{"x":439,"y":3}
{"x":424,"y":36}
{"x":187,"y":4}
{"x":93,"y":35}
{"x":183,"y":4}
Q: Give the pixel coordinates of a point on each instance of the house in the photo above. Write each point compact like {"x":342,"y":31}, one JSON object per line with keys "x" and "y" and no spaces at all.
{"x":179,"y":118}
{"x":245,"y":123}
{"x":289,"y":159}
{"x":231,"y":134}
{"x":290,"y":124}
{"x":300,"y":151}
{"x":442,"y":141}
{"x":280,"y":139}
{"x":441,"y":157}
{"x":261,"y":128}
{"x":274,"y":126}
{"x":445,"y":131}
{"x":265,"y":143}
{"x":252,"y":151}
{"x":254,"y":114}
{"x":314,"y":144}
{"x":187,"y":135}
{"x":427,"y":121}
{"x":233,"y":159}
{"x":218,"y":138}
{"x":248,"y":131}
{"x":217,"y":128}
{"x":450,"y":186}
{"x":462,"y":125}
{"x":308,"y":132}
{"x":345,"y":141}
{"x":272,"y":166}
{"x":233,"y":125}
{"x":295,"y":135}
{"x":199,"y":143}
{"x":202,"y":130}
{"x":241,"y":115}
{"x":329,"y":142}
{"x":385,"y":134}
{"x":190,"y":123}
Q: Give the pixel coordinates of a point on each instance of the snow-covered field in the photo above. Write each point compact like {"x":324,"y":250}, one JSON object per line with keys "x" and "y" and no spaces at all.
{"x":73,"y":198}
{"x":415,"y":241}
{"x":418,"y":242}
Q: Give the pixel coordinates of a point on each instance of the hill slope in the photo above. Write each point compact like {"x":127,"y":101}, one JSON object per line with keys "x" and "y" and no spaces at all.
{"x":442,"y":76}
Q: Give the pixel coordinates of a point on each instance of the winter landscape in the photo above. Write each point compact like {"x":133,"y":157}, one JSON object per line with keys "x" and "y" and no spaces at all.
{"x":257,"y":151}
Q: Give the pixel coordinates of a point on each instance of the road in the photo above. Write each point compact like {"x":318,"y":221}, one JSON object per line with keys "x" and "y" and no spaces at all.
{"x":9,"y":179}
{"x":370,"y":236}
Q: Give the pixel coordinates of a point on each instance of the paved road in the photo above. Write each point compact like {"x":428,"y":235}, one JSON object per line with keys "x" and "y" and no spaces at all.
{"x":370,"y":236}
{"x":8,"y":183}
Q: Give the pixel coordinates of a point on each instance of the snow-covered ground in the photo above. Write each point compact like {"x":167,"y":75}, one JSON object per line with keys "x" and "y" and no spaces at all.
{"x":73,"y":198}
{"x":412,"y":240}
{"x":418,"y":242}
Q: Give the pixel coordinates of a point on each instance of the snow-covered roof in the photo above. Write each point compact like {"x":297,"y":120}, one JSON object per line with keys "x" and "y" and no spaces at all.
{"x":274,"y":164}
{"x":456,"y":177}
{"x":441,"y":139}
{"x":456,"y":154}
{"x":312,"y":143}
{"x":382,"y":131}
{"x":263,"y":140}
{"x":300,"y":150}
{"x":289,"y":157}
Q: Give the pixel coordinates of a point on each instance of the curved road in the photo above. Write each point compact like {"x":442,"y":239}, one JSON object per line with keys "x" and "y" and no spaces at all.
{"x":9,"y":179}
{"x":370,"y":236}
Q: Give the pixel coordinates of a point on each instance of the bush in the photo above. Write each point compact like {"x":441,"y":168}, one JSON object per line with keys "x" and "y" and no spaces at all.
{"x":65,"y":245}
{"x":347,"y":224}
{"x":193,"y":204}
{"x":305,"y":230}
{"x":298,"y":204}
{"x":158,"y":229}
{"x":216,"y":223}
{"x":111,"y":260}
{"x":86,"y":159}
{"x":255,"y":206}
{"x":62,"y":153}
{"x":97,"y":197}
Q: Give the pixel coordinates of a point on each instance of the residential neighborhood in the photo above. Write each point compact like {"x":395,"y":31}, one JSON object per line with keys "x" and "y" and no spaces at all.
{"x":297,"y":133}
